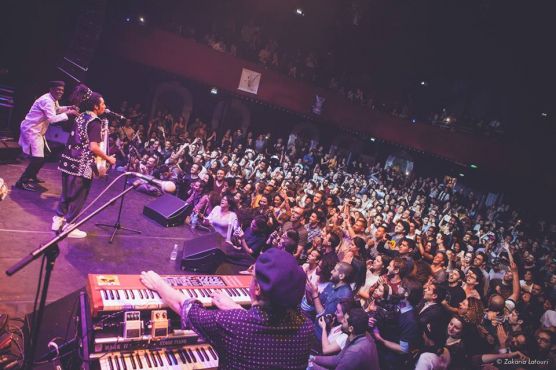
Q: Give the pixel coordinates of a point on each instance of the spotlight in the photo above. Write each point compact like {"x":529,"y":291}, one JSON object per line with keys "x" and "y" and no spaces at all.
{"x":299,"y":11}
{"x":413,"y":120}
{"x":373,"y":139}
{"x":214,"y":91}
{"x":461,"y":175}
{"x":128,"y":19}
{"x":141,"y":20}
{"x":474,"y":166}
{"x":544,"y":114}
{"x":423,"y":83}
{"x":407,"y":173}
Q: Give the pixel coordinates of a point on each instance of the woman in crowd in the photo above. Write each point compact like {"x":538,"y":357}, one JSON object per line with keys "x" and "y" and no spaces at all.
{"x":223,"y":217}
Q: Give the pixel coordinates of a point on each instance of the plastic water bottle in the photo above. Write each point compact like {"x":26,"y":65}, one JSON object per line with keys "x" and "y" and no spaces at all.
{"x":174,"y":254}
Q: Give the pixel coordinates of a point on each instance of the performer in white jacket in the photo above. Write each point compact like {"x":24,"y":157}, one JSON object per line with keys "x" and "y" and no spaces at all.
{"x":44,"y":111}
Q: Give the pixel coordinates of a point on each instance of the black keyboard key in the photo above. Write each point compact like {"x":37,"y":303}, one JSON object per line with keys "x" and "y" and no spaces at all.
{"x":148,"y":360}
{"x":154,"y":360}
{"x":139,"y":362}
{"x":199,"y":355}
{"x":182,"y":356}
{"x":173,"y":357}
{"x":117,"y":362}
{"x":133,"y":364}
{"x":205,"y":352}
{"x":159,"y":358}
{"x":126,"y":296}
{"x":213,"y":353}
{"x":109,"y":360}
{"x":124,"y":366}
{"x":117,"y":294}
{"x":167,"y":355}
{"x":192,"y":355}
{"x":186,"y":354}
{"x":111,"y":294}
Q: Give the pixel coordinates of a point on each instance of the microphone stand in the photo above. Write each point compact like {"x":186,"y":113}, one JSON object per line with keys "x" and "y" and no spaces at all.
{"x":50,"y":252}
{"x":117,"y":225}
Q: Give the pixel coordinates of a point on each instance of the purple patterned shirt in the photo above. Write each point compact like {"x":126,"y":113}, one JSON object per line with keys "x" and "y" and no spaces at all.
{"x":253,"y":338}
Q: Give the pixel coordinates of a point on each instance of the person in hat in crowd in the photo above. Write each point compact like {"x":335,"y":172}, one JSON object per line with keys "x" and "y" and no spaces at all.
{"x":44,"y":111}
{"x":77,"y":162}
{"x":271,"y":334}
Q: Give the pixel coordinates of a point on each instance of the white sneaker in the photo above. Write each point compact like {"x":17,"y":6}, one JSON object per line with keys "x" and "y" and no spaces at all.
{"x":77,"y":234}
{"x":57,"y":223}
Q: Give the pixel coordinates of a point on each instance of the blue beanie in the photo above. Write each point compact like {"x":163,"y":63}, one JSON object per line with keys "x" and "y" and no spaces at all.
{"x":281,"y":279}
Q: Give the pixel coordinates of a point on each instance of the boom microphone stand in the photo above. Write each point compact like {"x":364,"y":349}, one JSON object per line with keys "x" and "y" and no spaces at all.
{"x":117,"y":226}
{"x":50,"y":252}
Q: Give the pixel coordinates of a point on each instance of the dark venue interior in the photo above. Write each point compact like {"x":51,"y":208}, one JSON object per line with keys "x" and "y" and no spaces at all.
{"x":295,"y":184}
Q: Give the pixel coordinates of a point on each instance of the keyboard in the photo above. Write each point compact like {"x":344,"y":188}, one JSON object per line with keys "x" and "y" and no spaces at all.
{"x":195,"y":356}
{"x":109,"y":293}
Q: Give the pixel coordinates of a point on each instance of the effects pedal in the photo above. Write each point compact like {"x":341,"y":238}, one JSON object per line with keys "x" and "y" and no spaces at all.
{"x":159,"y":323}
{"x":132,"y":324}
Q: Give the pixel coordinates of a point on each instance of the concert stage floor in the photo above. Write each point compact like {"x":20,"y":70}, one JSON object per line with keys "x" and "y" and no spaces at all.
{"x":25,"y":219}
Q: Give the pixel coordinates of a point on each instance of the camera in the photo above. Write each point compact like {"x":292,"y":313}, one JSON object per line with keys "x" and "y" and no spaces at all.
{"x":329,"y":319}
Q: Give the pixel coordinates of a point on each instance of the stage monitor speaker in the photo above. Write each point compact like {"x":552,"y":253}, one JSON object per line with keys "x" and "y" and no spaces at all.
{"x":167,"y":210}
{"x":203,"y":254}
{"x":60,"y":320}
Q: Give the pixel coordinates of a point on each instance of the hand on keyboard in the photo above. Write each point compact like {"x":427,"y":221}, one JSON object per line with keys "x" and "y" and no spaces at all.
{"x":152,"y":280}
{"x":223,"y":301}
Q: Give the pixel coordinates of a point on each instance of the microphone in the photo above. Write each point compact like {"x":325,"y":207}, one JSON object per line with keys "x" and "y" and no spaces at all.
{"x":114,"y":114}
{"x":165,"y":186}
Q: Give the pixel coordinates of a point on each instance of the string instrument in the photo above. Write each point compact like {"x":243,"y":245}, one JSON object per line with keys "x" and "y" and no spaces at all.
{"x":101,"y":164}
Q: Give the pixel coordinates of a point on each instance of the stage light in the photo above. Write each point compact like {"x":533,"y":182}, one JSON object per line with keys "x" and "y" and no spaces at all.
{"x":141,"y":19}
{"x":407,"y":173}
{"x":373,"y":139}
{"x":413,"y":120}
{"x":544,"y":114}
{"x":128,"y":19}
{"x":423,"y":83}
{"x":214,"y":91}
{"x":461,"y":175}
{"x":474,"y":166}
{"x":299,"y":11}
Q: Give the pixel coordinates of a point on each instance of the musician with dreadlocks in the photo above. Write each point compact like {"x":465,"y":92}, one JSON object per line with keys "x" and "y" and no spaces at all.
{"x":77,"y":162}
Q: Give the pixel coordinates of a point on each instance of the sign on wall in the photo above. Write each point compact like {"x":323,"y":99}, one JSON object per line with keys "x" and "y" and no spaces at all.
{"x":249,"y":81}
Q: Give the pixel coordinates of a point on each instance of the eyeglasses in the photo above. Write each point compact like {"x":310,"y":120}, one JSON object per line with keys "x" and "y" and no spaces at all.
{"x":543,"y":339}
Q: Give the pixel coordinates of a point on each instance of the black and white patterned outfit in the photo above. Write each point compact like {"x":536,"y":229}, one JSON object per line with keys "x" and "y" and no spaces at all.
{"x":77,"y":165}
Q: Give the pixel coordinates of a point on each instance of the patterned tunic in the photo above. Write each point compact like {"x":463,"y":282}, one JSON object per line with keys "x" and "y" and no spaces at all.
{"x":77,"y":159}
{"x":253,"y":338}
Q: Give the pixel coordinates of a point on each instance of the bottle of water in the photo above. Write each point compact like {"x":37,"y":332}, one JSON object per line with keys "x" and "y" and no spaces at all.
{"x":174,"y":254}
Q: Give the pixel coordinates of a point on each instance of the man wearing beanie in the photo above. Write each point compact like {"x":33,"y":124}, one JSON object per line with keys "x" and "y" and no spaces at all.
{"x":272,"y":334}
{"x":44,"y":111}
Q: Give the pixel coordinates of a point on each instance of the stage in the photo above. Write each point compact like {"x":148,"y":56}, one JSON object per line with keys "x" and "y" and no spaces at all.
{"x":25,"y":219}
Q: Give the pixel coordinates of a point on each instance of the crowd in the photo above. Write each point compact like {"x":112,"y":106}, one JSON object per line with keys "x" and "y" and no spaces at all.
{"x":447,"y":279}
{"x":250,"y":39}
